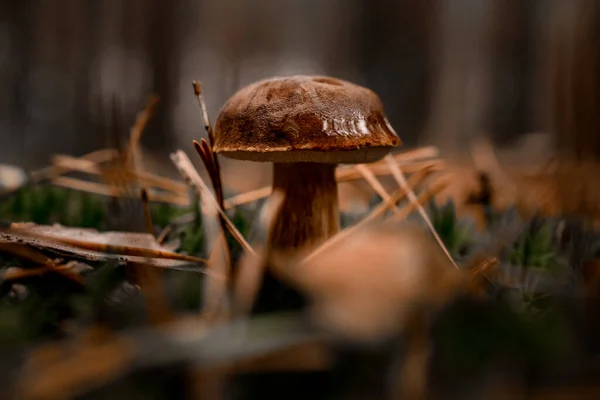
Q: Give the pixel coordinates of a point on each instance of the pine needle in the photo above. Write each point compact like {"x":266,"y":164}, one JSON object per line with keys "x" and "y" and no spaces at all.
{"x":373,"y":214}
{"x":188,"y":172}
{"x":401,"y":180}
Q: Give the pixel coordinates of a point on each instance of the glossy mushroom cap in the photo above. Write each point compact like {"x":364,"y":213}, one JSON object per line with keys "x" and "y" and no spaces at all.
{"x":304,"y":119}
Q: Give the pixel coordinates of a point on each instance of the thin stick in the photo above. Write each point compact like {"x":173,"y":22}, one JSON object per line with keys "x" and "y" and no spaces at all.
{"x":211,"y":139}
{"x":401,"y":180}
{"x":187,"y":171}
{"x":200,"y":97}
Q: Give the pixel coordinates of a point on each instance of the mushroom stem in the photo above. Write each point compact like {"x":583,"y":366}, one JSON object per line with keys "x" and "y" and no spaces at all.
{"x":309,"y":213}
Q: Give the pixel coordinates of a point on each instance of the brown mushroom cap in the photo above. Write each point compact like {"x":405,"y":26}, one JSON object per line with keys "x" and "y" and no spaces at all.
{"x":304,"y":119}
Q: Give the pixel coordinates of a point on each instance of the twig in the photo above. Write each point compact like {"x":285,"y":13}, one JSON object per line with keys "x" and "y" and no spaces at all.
{"x":200,"y":97}
{"x":401,"y":180}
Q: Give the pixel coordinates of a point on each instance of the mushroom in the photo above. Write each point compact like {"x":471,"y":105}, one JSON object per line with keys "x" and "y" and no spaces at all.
{"x":305,"y":126}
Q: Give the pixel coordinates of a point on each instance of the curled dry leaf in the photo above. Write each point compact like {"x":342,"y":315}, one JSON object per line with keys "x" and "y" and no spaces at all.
{"x":368,"y":285}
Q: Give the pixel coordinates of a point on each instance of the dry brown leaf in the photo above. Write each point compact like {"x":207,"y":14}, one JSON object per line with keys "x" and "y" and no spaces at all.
{"x":96,"y":246}
{"x":367,"y":285}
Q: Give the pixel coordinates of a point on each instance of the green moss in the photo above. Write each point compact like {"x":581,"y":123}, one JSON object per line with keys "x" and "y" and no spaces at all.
{"x":456,"y":235}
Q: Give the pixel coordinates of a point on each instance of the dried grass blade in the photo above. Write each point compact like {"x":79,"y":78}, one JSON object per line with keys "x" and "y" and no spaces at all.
{"x":380,"y":169}
{"x":401,"y":180}
{"x":112,"y":191}
{"x":186,"y":169}
{"x":374,"y":182}
{"x":89,"y":167}
{"x":247,"y":197}
{"x":95,"y":157}
{"x":422,"y":198}
{"x":417,"y":154}
{"x":342,"y":174}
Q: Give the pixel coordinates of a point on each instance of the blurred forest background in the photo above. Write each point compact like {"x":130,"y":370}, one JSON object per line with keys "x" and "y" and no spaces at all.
{"x":446,"y":70}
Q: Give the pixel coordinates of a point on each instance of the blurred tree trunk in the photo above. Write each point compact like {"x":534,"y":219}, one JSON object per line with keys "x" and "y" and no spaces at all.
{"x":395,"y":59}
{"x":460,"y":100}
{"x":20,"y":57}
{"x":164,"y":60}
{"x":87,"y":29}
{"x":575,"y":78}
{"x":512,"y":59}
{"x":575,"y":101}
